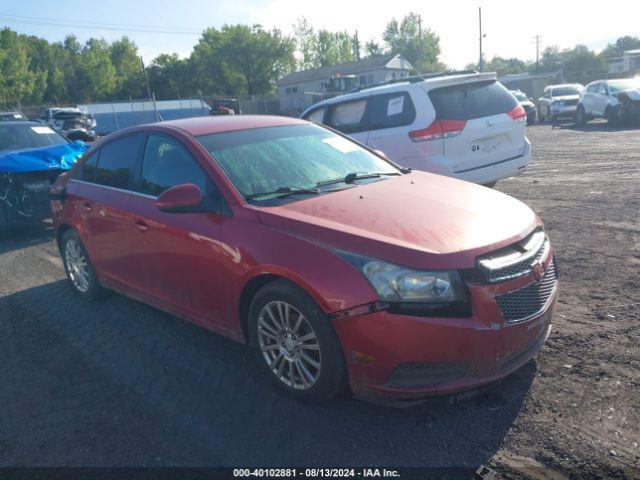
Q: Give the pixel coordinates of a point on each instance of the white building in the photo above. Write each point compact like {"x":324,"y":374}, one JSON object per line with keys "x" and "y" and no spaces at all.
{"x":627,"y":65}
{"x":299,"y":90}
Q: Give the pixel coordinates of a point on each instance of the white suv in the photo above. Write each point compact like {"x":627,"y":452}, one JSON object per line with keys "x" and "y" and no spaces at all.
{"x":615,"y":100}
{"x":467,"y":126}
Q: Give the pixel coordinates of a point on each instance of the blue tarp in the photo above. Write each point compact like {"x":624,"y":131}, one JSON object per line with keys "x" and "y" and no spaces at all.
{"x":47,"y":158}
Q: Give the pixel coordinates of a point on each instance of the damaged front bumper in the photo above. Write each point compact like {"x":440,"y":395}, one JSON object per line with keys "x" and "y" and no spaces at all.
{"x":24,"y":197}
{"x":25,"y":179}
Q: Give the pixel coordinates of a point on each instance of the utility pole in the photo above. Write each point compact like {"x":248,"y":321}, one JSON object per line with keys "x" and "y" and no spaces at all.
{"x":356,"y":46}
{"x":480,"y":62}
{"x":419,"y":44}
{"x":146,"y":79}
{"x":537,"y":38}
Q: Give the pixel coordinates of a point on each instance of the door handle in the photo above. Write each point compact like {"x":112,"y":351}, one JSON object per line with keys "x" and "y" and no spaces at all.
{"x":142,"y":225}
{"x":87,"y":206}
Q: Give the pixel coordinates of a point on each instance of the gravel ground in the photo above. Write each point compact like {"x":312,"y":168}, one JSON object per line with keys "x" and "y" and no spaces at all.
{"x":117,"y":383}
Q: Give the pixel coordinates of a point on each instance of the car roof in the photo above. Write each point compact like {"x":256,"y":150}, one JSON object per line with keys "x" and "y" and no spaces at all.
{"x":435,"y":81}
{"x":228,"y":123}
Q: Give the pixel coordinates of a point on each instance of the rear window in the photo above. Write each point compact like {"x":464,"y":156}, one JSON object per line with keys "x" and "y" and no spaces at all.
{"x":472,"y":100}
{"x":116,"y":162}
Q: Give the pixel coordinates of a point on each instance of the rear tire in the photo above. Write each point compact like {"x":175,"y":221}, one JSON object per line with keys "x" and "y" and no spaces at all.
{"x":295,"y":344}
{"x":78,"y":267}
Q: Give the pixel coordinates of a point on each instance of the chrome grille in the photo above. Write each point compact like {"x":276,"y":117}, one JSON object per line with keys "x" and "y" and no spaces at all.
{"x":526,"y":302}
{"x":515,"y":260}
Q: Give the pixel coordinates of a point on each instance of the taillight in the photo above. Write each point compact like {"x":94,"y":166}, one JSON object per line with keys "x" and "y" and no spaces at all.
{"x":438,"y":129}
{"x":518,"y":114}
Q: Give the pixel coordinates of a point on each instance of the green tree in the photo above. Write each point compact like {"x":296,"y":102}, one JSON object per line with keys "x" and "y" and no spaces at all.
{"x":17,"y":82}
{"x":502,"y":66}
{"x":582,"y":65}
{"x":170,"y":77}
{"x":96,"y":73}
{"x":129,"y":75}
{"x":323,"y":48}
{"x":614,"y":50}
{"x":420,"y":46}
{"x":372,"y":49}
{"x":242,"y":59}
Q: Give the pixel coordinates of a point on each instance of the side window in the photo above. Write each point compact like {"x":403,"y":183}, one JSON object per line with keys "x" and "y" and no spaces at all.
{"x":116,"y":162}
{"x":348,"y":117}
{"x":87,"y":171}
{"x":316,"y":116}
{"x":168,"y":163}
{"x":390,"y":110}
{"x":602,"y":89}
{"x":592,"y":88}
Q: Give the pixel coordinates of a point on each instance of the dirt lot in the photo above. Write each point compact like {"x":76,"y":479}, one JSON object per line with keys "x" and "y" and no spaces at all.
{"x":118,"y":383}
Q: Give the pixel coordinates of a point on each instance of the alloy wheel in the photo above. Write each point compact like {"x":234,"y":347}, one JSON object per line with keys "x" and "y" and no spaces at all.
{"x":77,"y":265}
{"x":289,"y":345}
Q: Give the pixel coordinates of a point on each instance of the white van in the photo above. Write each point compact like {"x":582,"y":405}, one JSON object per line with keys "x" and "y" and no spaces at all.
{"x":467,"y":126}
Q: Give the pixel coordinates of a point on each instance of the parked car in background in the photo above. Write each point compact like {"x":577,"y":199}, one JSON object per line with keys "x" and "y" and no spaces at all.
{"x":559,"y":102}
{"x":32,"y":155}
{"x":12,"y":116}
{"x":465,"y":125}
{"x":72,"y":122}
{"x":616,"y":100}
{"x":337,"y":266}
{"x":527,"y":104}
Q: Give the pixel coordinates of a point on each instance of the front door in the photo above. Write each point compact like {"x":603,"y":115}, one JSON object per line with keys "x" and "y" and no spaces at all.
{"x":177,"y":255}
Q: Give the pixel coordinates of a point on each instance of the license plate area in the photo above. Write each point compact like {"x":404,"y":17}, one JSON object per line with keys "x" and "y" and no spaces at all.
{"x":488,"y":145}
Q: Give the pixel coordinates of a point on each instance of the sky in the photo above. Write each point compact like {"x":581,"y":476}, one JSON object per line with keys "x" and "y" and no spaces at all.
{"x":509,"y":25}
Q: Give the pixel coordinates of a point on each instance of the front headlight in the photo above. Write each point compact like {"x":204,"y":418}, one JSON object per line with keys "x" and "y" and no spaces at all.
{"x":395,"y":283}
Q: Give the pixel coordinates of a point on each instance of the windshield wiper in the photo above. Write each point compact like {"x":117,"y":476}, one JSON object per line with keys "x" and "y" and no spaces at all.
{"x":353,"y":176}
{"x":282,"y":192}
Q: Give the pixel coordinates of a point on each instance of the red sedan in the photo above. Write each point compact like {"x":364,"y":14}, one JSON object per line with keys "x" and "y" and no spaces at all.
{"x":337,"y":266}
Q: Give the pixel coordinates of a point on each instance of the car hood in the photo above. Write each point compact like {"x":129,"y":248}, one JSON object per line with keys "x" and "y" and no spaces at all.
{"x":633,"y":94}
{"x":419,"y":219}
{"x":38,"y":159}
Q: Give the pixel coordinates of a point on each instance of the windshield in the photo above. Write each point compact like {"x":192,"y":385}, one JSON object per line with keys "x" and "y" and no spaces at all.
{"x":520,"y":96}
{"x":289,"y":157}
{"x":562,"y":91}
{"x":620,"y":85}
{"x":19,"y":137}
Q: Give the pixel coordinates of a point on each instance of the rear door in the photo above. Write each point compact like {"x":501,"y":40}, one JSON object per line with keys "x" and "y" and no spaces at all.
{"x":389,"y":117}
{"x":483,"y":132}
{"x":101,"y":199}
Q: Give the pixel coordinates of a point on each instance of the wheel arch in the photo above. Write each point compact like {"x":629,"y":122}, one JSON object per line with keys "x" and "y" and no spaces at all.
{"x":258,"y":280}
{"x":60,"y":231}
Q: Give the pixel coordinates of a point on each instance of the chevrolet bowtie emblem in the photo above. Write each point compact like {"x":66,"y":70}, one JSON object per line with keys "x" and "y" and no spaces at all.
{"x":537,"y":271}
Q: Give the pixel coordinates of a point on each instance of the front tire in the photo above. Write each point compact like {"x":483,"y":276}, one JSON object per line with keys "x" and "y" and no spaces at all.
{"x":581,"y":116}
{"x":78,"y":267}
{"x":295,"y":343}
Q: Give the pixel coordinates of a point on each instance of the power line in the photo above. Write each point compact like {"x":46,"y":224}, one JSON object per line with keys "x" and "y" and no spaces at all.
{"x":93,"y":25}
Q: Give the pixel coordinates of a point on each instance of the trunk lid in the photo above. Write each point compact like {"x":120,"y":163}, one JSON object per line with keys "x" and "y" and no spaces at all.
{"x":489,"y":134}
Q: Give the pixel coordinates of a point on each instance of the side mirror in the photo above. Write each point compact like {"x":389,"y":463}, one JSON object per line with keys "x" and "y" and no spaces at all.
{"x":181,"y":198}
{"x":382,"y":154}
